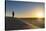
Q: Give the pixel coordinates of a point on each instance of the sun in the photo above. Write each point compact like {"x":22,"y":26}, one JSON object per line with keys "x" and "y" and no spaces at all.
{"x":37,"y":12}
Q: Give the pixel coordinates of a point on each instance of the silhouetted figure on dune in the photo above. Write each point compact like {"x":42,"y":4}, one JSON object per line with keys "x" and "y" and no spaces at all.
{"x":13,"y":14}
{"x":13,"y":20}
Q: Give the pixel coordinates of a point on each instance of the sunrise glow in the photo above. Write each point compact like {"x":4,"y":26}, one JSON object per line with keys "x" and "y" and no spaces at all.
{"x":38,"y":12}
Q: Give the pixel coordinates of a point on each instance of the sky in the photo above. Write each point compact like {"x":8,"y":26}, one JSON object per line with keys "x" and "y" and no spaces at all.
{"x":24,"y":9}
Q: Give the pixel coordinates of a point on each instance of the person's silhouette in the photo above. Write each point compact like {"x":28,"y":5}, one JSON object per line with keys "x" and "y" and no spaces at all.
{"x":13,"y":20}
{"x":13,"y":13}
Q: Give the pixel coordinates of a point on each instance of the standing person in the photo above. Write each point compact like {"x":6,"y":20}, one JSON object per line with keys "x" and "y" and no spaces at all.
{"x":13,"y":20}
{"x":13,"y":14}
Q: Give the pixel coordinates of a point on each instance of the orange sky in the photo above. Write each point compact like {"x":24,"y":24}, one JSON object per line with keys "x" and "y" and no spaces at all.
{"x":37,"y":12}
